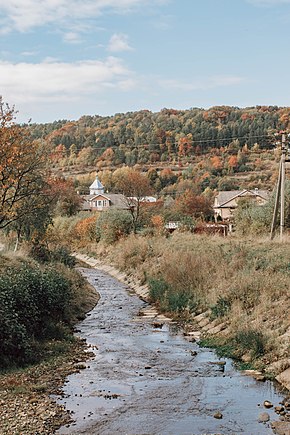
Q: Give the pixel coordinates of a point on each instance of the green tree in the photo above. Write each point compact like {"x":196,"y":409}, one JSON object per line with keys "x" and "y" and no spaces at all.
{"x":112,"y":225}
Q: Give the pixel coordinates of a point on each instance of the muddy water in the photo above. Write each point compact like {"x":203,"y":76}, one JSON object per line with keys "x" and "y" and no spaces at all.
{"x":152,"y":381}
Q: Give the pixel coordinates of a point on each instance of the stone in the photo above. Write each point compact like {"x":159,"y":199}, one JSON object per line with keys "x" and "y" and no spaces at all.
{"x":260,"y":378}
{"x":268,"y":404}
{"x":279,"y":409}
{"x":157,"y":325}
{"x":281,"y":428}
{"x":284,"y":378}
{"x":264,"y":417}
{"x":218,"y":415}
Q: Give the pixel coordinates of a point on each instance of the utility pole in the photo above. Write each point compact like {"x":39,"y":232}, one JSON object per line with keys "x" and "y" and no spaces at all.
{"x":280,"y":194}
{"x":282,"y":205}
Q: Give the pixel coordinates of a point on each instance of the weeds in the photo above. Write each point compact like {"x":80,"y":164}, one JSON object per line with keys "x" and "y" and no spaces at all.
{"x":223,"y":348}
{"x":157,"y":289}
{"x":221,"y":308}
{"x":169,"y":299}
{"x":250,"y":341}
{"x":246,"y":341}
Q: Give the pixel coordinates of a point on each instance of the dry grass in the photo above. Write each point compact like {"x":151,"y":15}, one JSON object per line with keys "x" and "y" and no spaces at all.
{"x":244,"y":281}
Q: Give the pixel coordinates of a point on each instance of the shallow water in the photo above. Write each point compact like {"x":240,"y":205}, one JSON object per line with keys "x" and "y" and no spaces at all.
{"x":147,"y":381}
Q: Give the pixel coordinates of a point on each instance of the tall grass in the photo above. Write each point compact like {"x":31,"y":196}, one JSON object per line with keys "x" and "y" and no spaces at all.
{"x":243,"y":282}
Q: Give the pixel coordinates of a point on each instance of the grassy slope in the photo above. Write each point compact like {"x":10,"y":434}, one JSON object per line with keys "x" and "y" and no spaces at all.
{"x":245,"y":284}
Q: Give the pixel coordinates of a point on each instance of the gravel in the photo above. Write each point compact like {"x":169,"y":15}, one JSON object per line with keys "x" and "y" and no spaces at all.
{"x":26,"y":403}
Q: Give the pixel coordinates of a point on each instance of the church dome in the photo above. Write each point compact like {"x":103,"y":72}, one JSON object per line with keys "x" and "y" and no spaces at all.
{"x":96,"y":187}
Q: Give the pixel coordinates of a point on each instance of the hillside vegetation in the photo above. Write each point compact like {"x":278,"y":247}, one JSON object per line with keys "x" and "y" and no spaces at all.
{"x":220,"y":148}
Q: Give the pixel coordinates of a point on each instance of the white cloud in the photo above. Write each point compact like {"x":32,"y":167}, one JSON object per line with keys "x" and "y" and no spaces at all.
{"x":28,"y":53}
{"x":72,"y":37}
{"x":23,"y":15}
{"x":119,"y":42}
{"x":52,"y":80}
{"x":201,"y":84}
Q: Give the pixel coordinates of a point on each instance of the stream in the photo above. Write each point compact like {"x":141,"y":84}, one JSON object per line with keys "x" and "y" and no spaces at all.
{"x":147,"y":379}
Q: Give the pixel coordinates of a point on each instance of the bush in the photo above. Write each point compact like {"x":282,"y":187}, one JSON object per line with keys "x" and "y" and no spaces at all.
{"x":157,"y":289}
{"x":15,"y":345}
{"x":169,"y":299}
{"x":39,"y":252}
{"x":42,"y":254}
{"x":62,"y":255}
{"x":33,"y":306}
{"x":112,"y":225}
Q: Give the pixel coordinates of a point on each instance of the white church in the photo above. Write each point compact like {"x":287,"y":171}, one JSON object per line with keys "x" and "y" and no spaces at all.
{"x":98,"y":200}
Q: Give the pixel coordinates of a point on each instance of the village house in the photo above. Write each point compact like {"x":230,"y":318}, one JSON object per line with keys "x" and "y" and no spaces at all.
{"x":98,"y":200}
{"x":227,"y":201}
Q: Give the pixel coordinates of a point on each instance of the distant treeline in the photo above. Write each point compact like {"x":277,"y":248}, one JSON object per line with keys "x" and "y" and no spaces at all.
{"x":146,"y":137}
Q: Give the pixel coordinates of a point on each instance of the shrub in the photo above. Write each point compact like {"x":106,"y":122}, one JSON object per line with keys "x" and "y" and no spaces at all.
{"x":157,"y":289}
{"x":112,"y":225}
{"x":33,"y":306}
{"x":42,"y":254}
{"x":170,"y":299}
{"x":62,"y":255}
{"x":85,"y":229}
{"x":39,"y":252}
{"x":15,"y":347}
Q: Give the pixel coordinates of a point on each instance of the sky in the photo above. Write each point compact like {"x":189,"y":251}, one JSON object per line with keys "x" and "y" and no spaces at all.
{"x":62,"y":59}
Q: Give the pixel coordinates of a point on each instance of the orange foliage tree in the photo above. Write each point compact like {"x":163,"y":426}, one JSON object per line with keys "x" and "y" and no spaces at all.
{"x":85,"y":229}
{"x":64,"y":196}
{"x":157,"y":222}
{"x":216,"y":163}
{"x":232,"y":163}
{"x":22,"y":170}
{"x":193,"y":205}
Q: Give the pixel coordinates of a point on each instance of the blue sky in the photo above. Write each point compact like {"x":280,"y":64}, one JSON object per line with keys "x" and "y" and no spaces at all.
{"x":61,"y":59}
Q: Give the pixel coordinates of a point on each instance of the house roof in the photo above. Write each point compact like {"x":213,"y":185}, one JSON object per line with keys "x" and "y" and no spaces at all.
{"x":226,"y":196}
{"x":117,"y":200}
{"x":143,"y":199}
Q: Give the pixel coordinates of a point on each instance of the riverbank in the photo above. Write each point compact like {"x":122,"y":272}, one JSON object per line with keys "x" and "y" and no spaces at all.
{"x":240,"y":291}
{"x":26,"y":405}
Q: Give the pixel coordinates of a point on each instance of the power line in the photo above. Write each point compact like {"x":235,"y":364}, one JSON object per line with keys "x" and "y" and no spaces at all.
{"x":164,"y":144}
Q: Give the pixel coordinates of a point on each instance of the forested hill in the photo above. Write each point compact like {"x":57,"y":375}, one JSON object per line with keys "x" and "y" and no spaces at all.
{"x":146,"y":137}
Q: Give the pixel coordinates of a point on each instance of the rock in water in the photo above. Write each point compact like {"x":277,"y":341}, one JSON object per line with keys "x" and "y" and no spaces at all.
{"x":264,"y":417}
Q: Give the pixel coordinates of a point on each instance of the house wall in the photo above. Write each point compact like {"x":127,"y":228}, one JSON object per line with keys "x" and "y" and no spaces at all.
{"x":99,"y":203}
{"x":226,"y":212}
